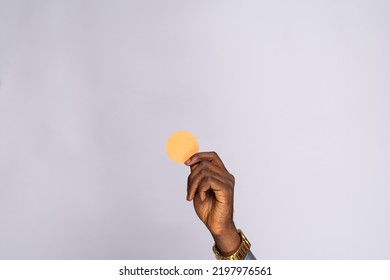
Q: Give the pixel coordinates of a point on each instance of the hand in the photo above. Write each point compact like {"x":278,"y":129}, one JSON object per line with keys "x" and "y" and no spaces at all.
{"x":211,"y":187}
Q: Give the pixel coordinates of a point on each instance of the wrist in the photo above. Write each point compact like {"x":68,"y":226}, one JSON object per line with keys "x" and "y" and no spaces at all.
{"x":239,"y":254}
{"x":228,"y":241}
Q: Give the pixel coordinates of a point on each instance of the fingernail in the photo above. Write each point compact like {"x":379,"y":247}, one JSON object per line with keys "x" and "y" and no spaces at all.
{"x":188,"y":161}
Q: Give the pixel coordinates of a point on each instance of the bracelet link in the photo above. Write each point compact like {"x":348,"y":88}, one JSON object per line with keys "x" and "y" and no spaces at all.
{"x":241,"y":252}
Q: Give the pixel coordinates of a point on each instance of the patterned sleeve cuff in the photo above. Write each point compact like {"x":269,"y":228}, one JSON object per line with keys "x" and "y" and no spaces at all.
{"x":249,"y":256}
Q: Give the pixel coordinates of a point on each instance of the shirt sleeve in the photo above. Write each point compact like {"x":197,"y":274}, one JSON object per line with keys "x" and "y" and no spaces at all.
{"x":250,"y":256}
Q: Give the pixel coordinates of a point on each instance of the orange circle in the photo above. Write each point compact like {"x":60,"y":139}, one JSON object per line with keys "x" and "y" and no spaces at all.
{"x":181,"y":145}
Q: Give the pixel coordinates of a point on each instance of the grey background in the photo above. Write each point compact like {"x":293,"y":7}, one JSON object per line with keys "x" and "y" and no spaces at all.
{"x":293,"y":95}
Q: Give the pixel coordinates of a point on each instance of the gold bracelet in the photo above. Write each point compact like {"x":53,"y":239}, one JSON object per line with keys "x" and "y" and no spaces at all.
{"x":241,"y":252}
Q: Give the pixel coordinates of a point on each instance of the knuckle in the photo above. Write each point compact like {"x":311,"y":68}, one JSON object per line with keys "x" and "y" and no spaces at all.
{"x":208,"y":179}
{"x":230,"y":186}
{"x":232,"y":178}
{"x":203,"y":171}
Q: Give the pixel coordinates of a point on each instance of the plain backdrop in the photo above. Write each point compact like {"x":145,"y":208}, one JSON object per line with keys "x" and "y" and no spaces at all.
{"x":293,"y":95}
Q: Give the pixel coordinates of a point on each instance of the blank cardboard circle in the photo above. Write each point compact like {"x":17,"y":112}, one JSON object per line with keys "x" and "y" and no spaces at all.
{"x":181,"y":145}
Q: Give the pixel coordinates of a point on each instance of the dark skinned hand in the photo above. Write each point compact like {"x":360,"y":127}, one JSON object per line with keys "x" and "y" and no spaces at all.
{"x":211,"y":188}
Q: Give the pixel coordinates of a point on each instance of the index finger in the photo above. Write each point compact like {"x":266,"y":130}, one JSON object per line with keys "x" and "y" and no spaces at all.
{"x":205,"y":156}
